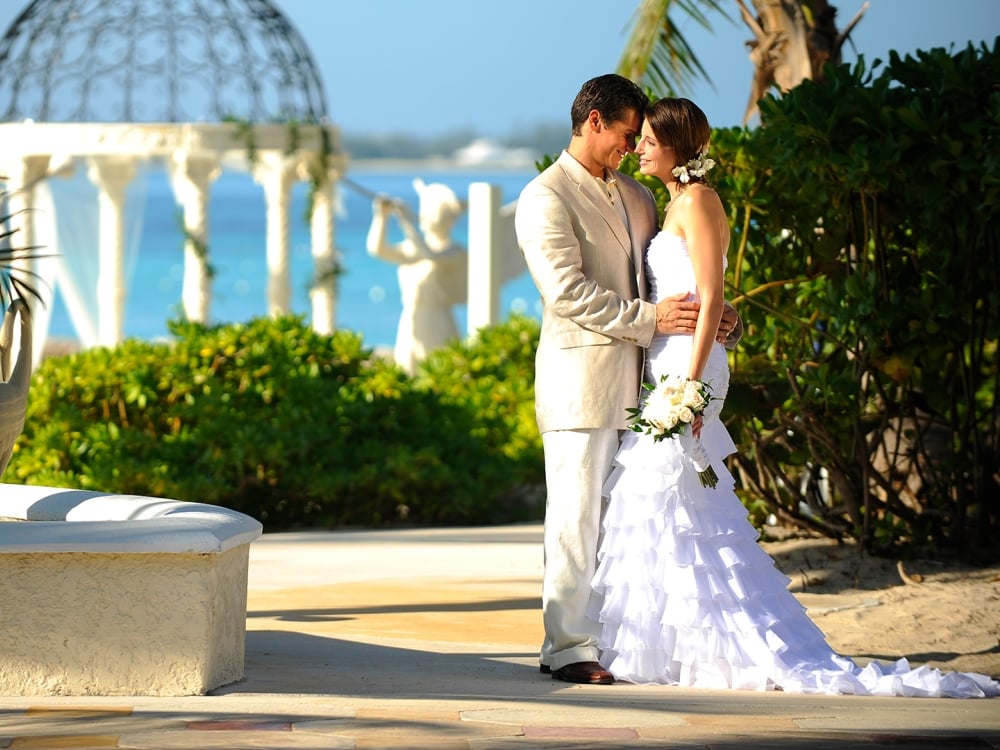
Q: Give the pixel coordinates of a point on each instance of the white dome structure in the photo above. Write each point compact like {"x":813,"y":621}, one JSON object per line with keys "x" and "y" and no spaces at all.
{"x":140,"y":61}
{"x":108,"y":87}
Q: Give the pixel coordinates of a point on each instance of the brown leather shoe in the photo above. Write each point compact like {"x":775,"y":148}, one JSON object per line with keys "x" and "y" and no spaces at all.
{"x":584,"y":673}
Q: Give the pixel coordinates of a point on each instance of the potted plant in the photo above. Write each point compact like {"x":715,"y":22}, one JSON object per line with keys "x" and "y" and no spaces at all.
{"x":16,"y":287}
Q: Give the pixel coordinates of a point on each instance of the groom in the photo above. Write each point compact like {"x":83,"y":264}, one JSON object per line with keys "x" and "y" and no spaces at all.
{"x":583,"y":227}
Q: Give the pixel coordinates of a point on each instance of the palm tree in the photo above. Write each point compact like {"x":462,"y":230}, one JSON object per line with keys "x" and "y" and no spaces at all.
{"x":793,"y":40}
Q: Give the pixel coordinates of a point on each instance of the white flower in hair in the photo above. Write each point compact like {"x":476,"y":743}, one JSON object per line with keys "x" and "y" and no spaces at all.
{"x":699,"y":166}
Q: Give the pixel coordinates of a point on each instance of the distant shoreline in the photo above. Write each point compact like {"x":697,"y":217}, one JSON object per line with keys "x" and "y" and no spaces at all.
{"x":442,"y":164}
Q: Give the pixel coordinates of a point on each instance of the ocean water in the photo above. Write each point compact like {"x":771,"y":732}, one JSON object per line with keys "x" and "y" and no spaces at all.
{"x":368,"y":290}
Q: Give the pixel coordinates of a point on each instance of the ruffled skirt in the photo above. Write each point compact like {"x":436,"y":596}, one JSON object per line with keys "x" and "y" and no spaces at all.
{"x":686,"y":596}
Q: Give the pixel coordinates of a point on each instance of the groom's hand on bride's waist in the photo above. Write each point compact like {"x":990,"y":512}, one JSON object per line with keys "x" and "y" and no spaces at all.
{"x":678,"y":313}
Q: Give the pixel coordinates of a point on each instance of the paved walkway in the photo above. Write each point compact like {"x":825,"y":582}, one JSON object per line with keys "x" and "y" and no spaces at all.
{"x":428,"y":639}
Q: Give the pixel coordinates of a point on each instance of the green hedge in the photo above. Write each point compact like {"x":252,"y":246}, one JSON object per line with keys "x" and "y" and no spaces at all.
{"x":291,"y":427}
{"x":866,"y":264}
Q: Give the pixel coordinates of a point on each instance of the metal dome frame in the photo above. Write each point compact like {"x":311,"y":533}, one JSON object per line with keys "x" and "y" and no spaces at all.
{"x":141,"y":61}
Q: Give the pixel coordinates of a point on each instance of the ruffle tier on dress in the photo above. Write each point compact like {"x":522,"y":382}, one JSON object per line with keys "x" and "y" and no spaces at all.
{"x":686,"y":596}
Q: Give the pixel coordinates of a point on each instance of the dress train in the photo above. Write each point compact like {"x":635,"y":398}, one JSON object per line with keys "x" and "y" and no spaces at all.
{"x":686,"y":596}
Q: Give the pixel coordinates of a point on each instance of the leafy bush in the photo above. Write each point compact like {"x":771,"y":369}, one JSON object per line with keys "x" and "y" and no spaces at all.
{"x":274,"y":420}
{"x":494,"y":377}
{"x":865,"y":264}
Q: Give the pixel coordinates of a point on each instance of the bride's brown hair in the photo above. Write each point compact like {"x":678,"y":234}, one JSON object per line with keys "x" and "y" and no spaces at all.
{"x":680,"y":124}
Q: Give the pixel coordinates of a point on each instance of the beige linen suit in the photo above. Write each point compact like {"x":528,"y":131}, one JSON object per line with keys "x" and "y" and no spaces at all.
{"x":587,"y":264}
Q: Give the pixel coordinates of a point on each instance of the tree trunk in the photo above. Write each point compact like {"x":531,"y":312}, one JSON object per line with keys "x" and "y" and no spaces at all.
{"x":793,"y":40}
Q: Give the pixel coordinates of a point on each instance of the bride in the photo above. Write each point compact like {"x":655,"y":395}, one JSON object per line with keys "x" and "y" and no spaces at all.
{"x":683,"y":592}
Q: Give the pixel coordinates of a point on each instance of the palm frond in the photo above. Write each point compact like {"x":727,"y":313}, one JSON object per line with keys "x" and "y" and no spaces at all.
{"x":657,"y":55}
{"x":17,"y":279}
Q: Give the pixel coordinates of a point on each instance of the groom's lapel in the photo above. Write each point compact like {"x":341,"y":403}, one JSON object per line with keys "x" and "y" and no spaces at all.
{"x":590,"y":192}
{"x":639,"y":231}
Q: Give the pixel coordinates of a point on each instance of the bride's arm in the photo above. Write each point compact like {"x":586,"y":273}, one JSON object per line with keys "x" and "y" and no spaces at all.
{"x":705,"y":230}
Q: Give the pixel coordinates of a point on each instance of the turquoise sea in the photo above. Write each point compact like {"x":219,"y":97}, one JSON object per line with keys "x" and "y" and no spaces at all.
{"x":368,"y":290}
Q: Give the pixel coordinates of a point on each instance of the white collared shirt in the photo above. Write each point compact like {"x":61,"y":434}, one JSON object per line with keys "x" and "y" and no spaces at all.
{"x":610,"y":188}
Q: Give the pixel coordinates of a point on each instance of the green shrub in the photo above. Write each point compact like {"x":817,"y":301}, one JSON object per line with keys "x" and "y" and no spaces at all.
{"x":494,"y":377}
{"x":274,"y":420}
{"x":864,"y":262}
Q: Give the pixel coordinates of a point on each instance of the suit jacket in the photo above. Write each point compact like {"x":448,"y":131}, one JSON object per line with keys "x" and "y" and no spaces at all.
{"x":589,"y":270}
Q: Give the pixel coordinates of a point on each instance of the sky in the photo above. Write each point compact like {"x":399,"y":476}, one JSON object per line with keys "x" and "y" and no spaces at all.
{"x":431,"y":67}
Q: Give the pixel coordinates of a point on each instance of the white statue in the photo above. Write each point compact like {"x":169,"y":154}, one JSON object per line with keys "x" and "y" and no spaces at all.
{"x":432,"y":268}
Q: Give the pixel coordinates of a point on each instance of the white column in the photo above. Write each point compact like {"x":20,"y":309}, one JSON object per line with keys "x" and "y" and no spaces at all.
{"x":22,"y":174}
{"x":323,"y":293}
{"x":275,"y":172}
{"x":112,"y":176}
{"x":191,"y":178}
{"x":485,"y":277}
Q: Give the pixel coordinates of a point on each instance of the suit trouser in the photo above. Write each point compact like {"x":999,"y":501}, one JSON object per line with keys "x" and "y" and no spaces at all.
{"x":577,"y":463}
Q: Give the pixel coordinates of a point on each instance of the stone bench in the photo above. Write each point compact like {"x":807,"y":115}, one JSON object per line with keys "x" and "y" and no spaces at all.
{"x":104,"y":594}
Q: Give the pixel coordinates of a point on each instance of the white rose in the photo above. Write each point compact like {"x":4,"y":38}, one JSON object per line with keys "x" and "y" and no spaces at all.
{"x":692,"y":394}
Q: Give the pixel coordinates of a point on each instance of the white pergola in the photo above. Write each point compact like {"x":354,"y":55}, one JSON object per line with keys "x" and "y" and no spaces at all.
{"x":193,"y":155}
{"x":192,"y":86}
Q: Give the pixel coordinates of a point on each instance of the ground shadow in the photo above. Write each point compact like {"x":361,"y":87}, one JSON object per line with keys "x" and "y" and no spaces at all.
{"x":333,"y":614}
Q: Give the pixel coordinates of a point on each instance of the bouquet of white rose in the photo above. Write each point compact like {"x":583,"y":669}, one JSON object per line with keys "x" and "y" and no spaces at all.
{"x":669,"y":410}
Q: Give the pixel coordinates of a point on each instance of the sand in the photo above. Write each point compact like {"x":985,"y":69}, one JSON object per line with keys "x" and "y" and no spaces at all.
{"x":938,"y":612}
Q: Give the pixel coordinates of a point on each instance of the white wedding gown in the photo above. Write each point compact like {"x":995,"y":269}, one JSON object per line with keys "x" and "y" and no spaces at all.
{"x":683,"y":592}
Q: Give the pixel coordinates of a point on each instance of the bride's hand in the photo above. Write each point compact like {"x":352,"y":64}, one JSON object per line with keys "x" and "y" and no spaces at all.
{"x":696,"y":426}
{"x":730,"y":327}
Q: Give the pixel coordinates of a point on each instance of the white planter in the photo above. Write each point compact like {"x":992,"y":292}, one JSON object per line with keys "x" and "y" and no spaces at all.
{"x":104,"y":594}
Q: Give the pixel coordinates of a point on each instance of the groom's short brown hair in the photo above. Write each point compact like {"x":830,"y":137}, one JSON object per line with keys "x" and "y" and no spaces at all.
{"x":612,"y":95}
